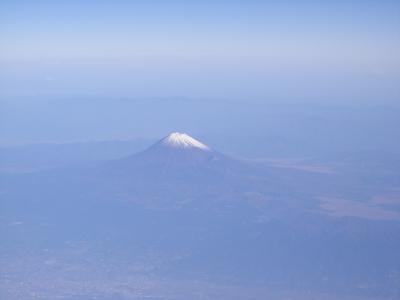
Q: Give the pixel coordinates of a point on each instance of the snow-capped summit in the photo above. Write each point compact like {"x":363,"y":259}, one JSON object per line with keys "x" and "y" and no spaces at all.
{"x":182,"y":141}
{"x":175,"y":151}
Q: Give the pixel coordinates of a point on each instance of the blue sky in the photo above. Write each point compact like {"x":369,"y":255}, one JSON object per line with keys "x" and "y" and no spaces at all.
{"x":199,"y":48}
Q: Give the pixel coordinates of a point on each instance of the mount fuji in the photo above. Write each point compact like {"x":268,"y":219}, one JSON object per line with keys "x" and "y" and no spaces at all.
{"x":177,"y":149}
{"x":180,"y":170}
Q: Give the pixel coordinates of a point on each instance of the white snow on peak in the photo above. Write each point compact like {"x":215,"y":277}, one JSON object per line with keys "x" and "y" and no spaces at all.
{"x":182,"y":140}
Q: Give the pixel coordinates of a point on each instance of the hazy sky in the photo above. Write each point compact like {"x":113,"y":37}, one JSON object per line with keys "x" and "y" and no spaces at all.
{"x":241,"y":49}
